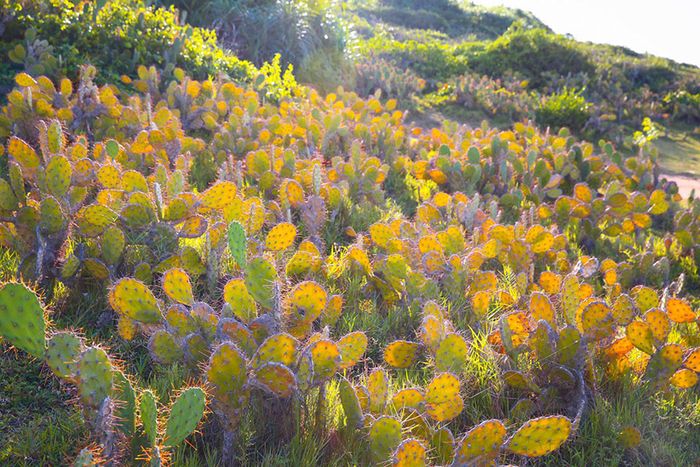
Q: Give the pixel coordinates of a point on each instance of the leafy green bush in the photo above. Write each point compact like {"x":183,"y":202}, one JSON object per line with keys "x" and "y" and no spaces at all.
{"x":532,"y":53}
{"x":117,"y":36}
{"x":310,"y":35}
{"x":432,"y":60}
{"x":683,"y":106}
{"x":565,"y":109}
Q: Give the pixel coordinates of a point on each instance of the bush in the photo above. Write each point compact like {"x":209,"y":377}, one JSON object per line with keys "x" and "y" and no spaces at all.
{"x":565,"y":109}
{"x":116,"y":37}
{"x":683,"y":106}
{"x":505,"y":97}
{"x":432,"y":60}
{"x":373,"y":74}
{"x":532,"y":53}
{"x":310,"y":35}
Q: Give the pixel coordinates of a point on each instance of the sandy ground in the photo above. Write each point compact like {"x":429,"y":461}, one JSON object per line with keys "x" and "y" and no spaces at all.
{"x":685,"y":184}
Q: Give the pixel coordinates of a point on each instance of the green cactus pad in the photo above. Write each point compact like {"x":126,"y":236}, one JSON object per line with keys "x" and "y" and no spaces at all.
{"x":384,"y":438}
{"x":569,"y":345}
{"x":596,"y":320}
{"x":55,"y":140}
{"x":62,"y":352}
{"x":126,"y":407}
{"x":237,"y":243}
{"x":185,"y":414}
{"x":350,"y":403}
{"x":307,"y":301}
{"x":227,"y":372}
{"x":623,"y":310}
{"x":25,"y":156}
{"x":112,"y":244}
{"x":664,"y":362}
{"x":352,"y":347}
{"x":8,"y":201}
{"x":639,"y":333}
{"x":17,"y":182}
{"x":94,"y":219}
{"x":22,"y":321}
{"x":96,"y":268}
{"x":451,"y":354}
{"x":58,"y":176}
{"x":275,"y":379}
{"x":94,"y":376}
{"x":131,"y":298}
{"x":148,"y":408}
{"x":522,"y":410}
{"x":540,"y":436}
{"x":260,"y":276}
{"x":51,"y":217}
{"x":164,"y":347}
{"x":378,"y":390}
{"x":407,"y":398}
{"x":237,"y":332}
{"x":543,"y":341}
{"x":196,"y":349}
{"x":179,"y":321}
{"x":518,"y":380}
{"x":241,"y":302}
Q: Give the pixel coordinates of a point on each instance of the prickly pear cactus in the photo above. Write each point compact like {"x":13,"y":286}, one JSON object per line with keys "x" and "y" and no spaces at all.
{"x":22,"y":319}
{"x":62,"y":352}
{"x":237,"y":243}
{"x":185,"y":414}
{"x":148,"y":407}
{"x":482,"y":443}
{"x":540,"y":436}
{"x":94,"y":376}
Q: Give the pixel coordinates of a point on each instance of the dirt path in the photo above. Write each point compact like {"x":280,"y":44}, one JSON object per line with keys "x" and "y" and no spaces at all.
{"x":685,"y":184}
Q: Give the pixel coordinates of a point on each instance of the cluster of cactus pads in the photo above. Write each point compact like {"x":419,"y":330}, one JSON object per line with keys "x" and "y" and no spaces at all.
{"x":112,"y":405}
{"x":562,"y":263}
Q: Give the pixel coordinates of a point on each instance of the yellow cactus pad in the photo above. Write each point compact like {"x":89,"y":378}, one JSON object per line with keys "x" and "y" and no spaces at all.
{"x":177,"y":286}
{"x":401,"y":354}
{"x":679,"y":311}
{"x":442,"y":399}
{"x":482,"y":443}
{"x":540,"y":436}
{"x":410,"y":453}
{"x":281,"y":237}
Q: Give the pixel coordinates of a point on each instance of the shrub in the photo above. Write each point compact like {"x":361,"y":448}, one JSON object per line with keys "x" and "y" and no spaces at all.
{"x":432,"y":60}
{"x":373,"y":74}
{"x":310,"y":35}
{"x":505,"y":97}
{"x":117,"y":37}
{"x":532,"y":53}
{"x":683,"y":106}
{"x":565,"y":109}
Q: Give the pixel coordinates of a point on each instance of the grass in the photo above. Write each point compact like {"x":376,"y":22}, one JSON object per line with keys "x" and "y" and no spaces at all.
{"x":40,"y":426}
{"x":679,"y":153}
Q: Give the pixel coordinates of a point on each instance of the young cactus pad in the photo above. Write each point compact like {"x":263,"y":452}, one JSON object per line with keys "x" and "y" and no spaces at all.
{"x":185,"y":414}
{"x":22,"y":320}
